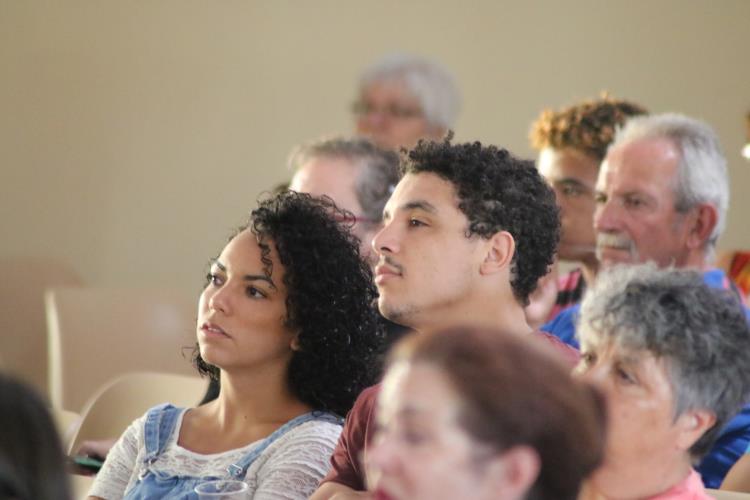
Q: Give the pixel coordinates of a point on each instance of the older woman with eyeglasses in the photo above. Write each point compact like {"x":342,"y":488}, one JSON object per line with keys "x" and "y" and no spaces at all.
{"x":403,"y":98}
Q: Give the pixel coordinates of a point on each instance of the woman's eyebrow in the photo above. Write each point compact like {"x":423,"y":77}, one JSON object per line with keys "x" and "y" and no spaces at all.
{"x":247,"y":277}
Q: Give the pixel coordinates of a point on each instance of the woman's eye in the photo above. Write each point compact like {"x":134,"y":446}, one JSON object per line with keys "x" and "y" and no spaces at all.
{"x":413,"y":438}
{"x":213,"y":279}
{"x":624,"y":376}
{"x":255,"y":293}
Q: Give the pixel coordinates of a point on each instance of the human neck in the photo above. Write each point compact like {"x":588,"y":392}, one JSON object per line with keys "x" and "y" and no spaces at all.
{"x":663,"y":480}
{"x":502,"y":313}
{"x":255,"y":399}
{"x":589,"y":269}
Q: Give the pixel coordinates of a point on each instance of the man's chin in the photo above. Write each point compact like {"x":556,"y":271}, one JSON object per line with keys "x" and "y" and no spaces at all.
{"x":612,"y":257}
{"x":398,"y":313}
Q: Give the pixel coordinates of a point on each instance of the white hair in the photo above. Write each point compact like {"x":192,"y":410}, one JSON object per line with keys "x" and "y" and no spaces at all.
{"x":429,"y":82}
{"x":702,"y":175}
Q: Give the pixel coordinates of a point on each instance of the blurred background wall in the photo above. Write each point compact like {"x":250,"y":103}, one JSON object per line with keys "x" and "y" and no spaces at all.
{"x":134,"y":135}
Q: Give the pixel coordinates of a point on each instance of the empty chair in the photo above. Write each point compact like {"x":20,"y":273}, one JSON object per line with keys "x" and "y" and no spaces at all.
{"x":120,"y":401}
{"x":23,"y":344}
{"x":96,"y":334}
{"x":67,"y":423}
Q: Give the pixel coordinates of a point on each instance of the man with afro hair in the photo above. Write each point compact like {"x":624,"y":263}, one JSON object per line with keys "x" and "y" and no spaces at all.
{"x":572,"y":143}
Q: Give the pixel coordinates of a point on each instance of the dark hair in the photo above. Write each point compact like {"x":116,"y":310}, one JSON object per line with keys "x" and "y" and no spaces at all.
{"x":514,"y":392}
{"x":701,"y":333}
{"x":329,"y":299}
{"x":498,"y":192}
{"x":588,"y":126}
{"x":32,"y":465}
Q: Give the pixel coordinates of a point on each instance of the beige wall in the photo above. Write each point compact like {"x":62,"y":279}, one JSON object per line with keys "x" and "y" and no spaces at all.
{"x":135,"y":134}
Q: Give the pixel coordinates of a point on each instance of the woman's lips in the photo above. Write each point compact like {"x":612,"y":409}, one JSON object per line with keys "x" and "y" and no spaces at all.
{"x":212,"y":330}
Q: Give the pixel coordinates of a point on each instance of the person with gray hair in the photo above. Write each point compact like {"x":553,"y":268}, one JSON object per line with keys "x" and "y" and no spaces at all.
{"x":355,"y":173}
{"x":662,"y":196}
{"x":403,"y":98}
{"x":671,"y":356}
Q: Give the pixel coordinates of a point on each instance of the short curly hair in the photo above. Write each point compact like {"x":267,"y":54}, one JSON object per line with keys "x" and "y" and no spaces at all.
{"x":588,"y":126}
{"x":498,"y":192}
{"x":329,"y":300}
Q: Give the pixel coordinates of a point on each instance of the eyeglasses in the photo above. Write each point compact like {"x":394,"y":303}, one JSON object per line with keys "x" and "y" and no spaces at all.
{"x":350,"y":218}
{"x":390,"y":111}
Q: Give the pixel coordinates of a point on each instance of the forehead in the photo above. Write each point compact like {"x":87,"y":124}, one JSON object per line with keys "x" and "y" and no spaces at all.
{"x":424,"y":187}
{"x":649,"y":164}
{"x":388,"y":91}
{"x":333,"y":177}
{"x":555,"y":164}
{"x":417,"y":389}
{"x":243,"y":254}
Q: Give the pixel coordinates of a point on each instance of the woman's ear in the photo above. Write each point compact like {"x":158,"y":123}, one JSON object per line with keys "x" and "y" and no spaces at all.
{"x":692,"y":425}
{"x":499,"y":253}
{"x":295,"y":343}
{"x":514,"y":471}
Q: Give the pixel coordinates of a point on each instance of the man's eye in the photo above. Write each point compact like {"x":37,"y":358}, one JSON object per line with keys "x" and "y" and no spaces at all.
{"x":572,"y":191}
{"x":416,"y":222}
{"x":633,"y":202}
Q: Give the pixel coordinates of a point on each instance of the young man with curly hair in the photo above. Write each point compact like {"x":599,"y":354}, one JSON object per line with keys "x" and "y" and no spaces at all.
{"x":467,"y":233}
{"x":572,"y":143}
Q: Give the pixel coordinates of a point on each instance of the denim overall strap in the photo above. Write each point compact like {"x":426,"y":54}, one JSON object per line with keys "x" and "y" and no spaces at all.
{"x":160,"y":423}
{"x":238,"y":470}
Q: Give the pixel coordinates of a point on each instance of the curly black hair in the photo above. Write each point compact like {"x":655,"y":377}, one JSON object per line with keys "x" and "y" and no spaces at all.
{"x":329,"y":299}
{"x":588,"y":126}
{"x":498,"y":192}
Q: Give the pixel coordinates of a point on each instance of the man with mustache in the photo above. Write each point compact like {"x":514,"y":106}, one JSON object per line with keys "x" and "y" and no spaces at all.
{"x":467,"y":233}
{"x":662,"y":195}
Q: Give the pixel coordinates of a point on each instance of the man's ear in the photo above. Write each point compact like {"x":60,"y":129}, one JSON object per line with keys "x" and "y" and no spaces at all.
{"x":513,"y":472}
{"x":702,"y":222}
{"x":692,"y":425}
{"x":499,"y":250}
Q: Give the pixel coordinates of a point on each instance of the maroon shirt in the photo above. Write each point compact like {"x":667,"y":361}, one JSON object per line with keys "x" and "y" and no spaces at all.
{"x":346,"y":462}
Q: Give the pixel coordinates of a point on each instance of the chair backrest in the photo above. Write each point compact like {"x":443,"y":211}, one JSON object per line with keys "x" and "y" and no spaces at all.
{"x":23,"y":343}
{"x":96,"y":334}
{"x":727,"y":495}
{"x":67,"y":423}
{"x":115,"y":405}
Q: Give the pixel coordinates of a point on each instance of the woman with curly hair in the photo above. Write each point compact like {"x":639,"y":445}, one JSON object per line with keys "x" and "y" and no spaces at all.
{"x":286,"y":323}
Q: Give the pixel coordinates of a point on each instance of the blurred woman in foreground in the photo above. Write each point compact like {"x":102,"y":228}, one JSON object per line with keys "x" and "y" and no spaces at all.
{"x":482,"y":414}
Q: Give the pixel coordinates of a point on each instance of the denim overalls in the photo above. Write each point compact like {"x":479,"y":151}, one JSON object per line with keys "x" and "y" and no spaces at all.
{"x":160,"y":423}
